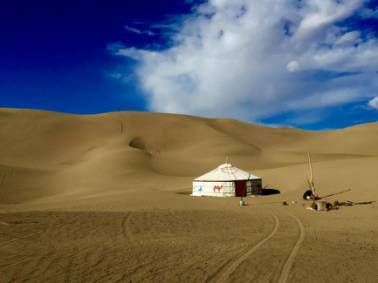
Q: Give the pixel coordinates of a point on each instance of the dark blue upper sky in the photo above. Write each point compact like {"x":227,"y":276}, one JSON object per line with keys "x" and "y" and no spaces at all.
{"x":54,"y":55}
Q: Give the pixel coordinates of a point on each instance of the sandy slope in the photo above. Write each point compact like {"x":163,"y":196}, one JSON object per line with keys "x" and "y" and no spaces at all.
{"x":106,"y":198}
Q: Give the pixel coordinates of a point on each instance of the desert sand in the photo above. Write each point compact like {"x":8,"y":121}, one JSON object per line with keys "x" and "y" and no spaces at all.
{"x":106,"y":198}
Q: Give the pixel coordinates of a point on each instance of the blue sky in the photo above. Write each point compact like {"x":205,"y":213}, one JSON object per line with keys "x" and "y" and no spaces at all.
{"x":310,"y":64}
{"x":54,"y":55}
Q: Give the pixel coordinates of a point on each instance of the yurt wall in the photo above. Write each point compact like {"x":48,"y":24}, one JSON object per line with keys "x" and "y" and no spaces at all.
{"x":255,"y":186}
{"x":217,"y":189}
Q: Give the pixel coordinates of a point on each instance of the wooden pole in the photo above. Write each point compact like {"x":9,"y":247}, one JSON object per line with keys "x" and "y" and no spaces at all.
{"x":311,"y":182}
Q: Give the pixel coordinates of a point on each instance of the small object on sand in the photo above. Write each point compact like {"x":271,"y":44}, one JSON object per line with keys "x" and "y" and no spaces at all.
{"x":286,"y":202}
{"x":307,"y":195}
{"x":337,"y":203}
{"x":310,"y":195}
{"x":4,"y":223}
{"x":321,"y":206}
{"x":242,"y":203}
{"x":326,"y":206}
{"x":313,"y":206}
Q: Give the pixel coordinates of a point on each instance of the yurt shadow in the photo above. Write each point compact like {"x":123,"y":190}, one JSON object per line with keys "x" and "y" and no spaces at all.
{"x":269,"y":191}
{"x":185,"y":193}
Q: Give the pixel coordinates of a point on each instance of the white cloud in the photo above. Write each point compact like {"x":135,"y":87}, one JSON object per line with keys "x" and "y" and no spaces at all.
{"x":348,"y":38}
{"x":252,"y":59}
{"x":374,"y":103}
{"x":139,"y":31}
{"x":293,"y":66}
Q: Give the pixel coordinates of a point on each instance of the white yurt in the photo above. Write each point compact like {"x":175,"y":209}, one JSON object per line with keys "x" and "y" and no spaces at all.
{"x":226,"y":181}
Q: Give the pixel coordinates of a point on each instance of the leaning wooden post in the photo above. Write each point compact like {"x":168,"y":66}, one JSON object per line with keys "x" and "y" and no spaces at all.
{"x":311,"y":181}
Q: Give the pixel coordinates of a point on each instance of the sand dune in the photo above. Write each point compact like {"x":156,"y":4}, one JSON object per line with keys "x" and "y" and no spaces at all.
{"x":106,"y":198}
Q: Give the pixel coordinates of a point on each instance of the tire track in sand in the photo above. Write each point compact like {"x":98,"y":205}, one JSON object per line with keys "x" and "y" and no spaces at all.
{"x":125,"y":227}
{"x":3,"y":176}
{"x":231,"y":268}
{"x":290,"y":260}
{"x":15,"y":239}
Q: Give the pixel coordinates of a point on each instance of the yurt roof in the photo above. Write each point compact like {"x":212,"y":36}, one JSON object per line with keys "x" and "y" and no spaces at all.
{"x":226,"y":172}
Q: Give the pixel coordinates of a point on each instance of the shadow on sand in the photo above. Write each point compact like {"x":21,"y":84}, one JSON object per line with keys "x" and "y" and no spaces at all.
{"x":352,"y":203}
{"x":269,"y":191}
{"x":186,"y":193}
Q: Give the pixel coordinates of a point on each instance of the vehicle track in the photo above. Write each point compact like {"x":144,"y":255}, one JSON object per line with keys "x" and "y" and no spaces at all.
{"x":9,"y":242}
{"x":2,"y":178}
{"x":231,"y":268}
{"x":125,"y":227}
{"x":290,"y":260}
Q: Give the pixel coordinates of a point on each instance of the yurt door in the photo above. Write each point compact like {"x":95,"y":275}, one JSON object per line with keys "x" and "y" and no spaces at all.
{"x":240,"y":188}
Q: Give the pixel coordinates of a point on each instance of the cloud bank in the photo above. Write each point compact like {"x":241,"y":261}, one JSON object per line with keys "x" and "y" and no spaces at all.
{"x":374,"y":103}
{"x":251,"y":59}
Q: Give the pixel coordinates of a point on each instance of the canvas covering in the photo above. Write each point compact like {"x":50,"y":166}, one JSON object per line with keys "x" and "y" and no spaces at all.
{"x":226,"y":172}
